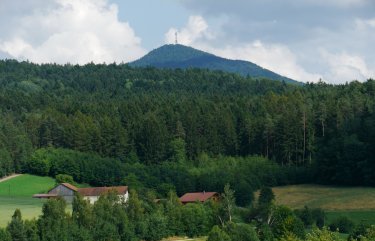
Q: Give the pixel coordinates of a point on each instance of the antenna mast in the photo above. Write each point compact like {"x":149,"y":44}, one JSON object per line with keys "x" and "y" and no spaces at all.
{"x":176,"y":35}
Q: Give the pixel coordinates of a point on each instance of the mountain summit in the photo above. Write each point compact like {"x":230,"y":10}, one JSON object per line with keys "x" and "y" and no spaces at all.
{"x":180,"y":56}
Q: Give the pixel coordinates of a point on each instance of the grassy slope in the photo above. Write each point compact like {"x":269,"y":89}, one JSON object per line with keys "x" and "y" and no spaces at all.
{"x":17,"y":193}
{"x":356,"y":203}
{"x":25,"y":186}
{"x":326,"y":197}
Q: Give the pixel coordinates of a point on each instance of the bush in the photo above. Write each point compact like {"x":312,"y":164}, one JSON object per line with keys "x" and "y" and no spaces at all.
{"x":241,"y":232}
{"x":342,"y":224}
{"x":359,"y":231}
{"x":319,"y":216}
{"x":217,"y":234}
{"x":322,"y":235}
{"x":63,"y":178}
{"x":306,"y":216}
{"x":195,"y":219}
{"x":4,"y":235}
{"x":369,"y":235}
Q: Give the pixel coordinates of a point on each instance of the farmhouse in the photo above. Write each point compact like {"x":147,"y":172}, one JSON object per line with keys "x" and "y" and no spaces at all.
{"x":92,"y":194}
{"x":199,"y":197}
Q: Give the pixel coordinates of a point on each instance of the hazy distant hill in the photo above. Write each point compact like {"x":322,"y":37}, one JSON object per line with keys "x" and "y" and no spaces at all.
{"x":180,"y":56}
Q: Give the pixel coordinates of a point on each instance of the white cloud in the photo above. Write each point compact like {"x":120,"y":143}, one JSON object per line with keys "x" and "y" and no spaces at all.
{"x":75,"y":31}
{"x":339,"y":3}
{"x":363,"y":24}
{"x":196,"y":29}
{"x":344,"y":66}
{"x":275,"y":57}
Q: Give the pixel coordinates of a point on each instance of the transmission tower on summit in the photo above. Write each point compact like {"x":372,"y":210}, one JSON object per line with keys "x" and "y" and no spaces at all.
{"x":176,"y":40}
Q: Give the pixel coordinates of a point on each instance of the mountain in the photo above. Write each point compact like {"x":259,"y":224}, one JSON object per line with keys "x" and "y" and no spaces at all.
{"x":180,"y":56}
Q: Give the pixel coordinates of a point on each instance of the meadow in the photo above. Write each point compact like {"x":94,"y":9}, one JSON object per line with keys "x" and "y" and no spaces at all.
{"x":356,"y":203}
{"x":17,"y":193}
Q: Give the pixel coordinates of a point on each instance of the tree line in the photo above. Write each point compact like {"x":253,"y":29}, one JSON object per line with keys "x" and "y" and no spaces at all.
{"x":144,"y":218}
{"x":151,"y":116}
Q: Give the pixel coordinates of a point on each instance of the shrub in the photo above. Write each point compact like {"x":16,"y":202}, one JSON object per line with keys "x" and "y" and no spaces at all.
{"x":342,"y":224}
{"x":241,"y":232}
{"x":217,"y":234}
{"x":63,"y":178}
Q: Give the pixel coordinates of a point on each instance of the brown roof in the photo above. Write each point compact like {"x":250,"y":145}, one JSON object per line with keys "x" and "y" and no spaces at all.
{"x":70,"y":186}
{"x":197,"y":196}
{"x":97,"y":191}
{"x":44,"y":195}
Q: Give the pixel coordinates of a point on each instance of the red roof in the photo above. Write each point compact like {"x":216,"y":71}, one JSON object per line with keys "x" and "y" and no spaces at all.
{"x":197,"y":196}
{"x":70,"y":186}
{"x":97,"y":191}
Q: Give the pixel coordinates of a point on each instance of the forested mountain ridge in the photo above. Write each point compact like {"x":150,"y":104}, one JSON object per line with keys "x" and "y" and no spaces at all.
{"x":156,"y":117}
{"x":180,"y":56}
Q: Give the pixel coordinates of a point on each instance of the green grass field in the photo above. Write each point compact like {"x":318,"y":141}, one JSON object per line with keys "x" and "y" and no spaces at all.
{"x":17,"y":193}
{"x":326,"y":197}
{"x":356,"y":203}
{"x":26,"y":186}
{"x":367,"y":217}
{"x":30,"y":208}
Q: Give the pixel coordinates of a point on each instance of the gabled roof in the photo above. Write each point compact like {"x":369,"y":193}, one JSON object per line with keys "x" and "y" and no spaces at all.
{"x":197,"y":196}
{"x":97,"y":191}
{"x":70,"y":186}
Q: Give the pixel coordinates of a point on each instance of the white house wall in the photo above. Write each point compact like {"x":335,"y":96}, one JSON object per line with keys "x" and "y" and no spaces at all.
{"x":93,"y":199}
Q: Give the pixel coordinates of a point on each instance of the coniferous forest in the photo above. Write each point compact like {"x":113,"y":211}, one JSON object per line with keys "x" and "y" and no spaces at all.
{"x":124,"y":120}
{"x":168,"y":132}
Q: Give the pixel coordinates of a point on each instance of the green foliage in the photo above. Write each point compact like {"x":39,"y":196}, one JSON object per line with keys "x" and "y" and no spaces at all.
{"x":137,"y":114}
{"x":6,"y":163}
{"x":266,"y":196}
{"x":342,"y":224}
{"x":217,"y":234}
{"x":283,"y":221}
{"x":63,"y":178}
{"x":31,"y":230}
{"x":195,"y":219}
{"x":16,"y":227}
{"x":289,"y":237}
{"x":359,"y":231}
{"x":265,"y":232}
{"x":157,"y":227}
{"x":319,"y":216}
{"x":241,"y":232}
{"x":38,"y":163}
{"x":322,"y":235}
{"x":227,"y":205}
{"x":306,"y":216}
{"x":82,"y":167}
{"x":369,"y":235}
{"x":53,"y":223}
{"x":4,"y":235}
{"x":311,"y":217}
{"x":178,"y":150}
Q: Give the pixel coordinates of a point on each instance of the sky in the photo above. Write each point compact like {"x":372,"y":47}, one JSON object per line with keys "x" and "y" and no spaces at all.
{"x":306,"y":40}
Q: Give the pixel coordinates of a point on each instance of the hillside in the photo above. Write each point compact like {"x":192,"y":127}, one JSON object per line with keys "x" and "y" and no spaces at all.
{"x":326,"y":197}
{"x":180,"y":56}
{"x":115,"y":115}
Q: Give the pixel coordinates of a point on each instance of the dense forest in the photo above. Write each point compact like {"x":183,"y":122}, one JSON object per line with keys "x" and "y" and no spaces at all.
{"x":179,"y":129}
